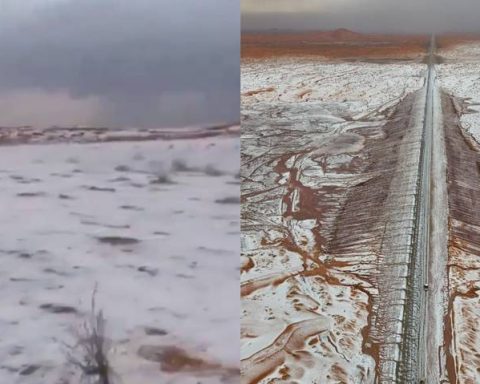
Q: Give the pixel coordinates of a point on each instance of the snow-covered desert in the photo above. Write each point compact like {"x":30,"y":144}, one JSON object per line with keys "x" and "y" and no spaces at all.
{"x":311,"y":274}
{"x":146,"y":224}
{"x":332,"y":152}
{"x":460,"y":81}
{"x":333,"y":290}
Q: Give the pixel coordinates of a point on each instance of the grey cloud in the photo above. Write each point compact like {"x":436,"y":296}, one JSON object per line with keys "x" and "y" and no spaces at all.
{"x":407,"y":16}
{"x":138,"y":56}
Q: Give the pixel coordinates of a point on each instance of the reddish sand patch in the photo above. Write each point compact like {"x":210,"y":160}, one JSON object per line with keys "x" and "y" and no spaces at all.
{"x":338,"y":44}
{"x":173,"y":359}
{"x":257,"y":91}
{"x":451,"y":41}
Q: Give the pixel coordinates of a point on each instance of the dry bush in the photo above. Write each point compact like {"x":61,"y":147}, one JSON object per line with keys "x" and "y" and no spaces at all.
{"x":211,"y":170}
{"x":180,"y":165}
{"x":162,"y":179}
{"x":89,"y":353}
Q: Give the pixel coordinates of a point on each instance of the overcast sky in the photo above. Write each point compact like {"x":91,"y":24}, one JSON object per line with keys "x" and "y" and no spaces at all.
{"x":119,"y":62}
{"x":405,"y":16}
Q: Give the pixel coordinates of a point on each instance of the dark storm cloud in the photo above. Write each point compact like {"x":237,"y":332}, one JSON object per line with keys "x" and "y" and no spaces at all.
{"x":408,"y":16}
{"x":151,"y":62}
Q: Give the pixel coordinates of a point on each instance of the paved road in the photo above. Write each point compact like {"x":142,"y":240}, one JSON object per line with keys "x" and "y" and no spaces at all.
{"x":423,"y":246}
{"x":412,"y":368}
{"x":423,"y":217}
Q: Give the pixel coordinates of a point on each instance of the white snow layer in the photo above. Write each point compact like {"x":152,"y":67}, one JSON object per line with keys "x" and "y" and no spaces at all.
{"x":171,"y":263}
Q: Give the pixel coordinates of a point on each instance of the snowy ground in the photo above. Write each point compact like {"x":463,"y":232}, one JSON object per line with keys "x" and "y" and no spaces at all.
{"x":304,"y":127}
{"x":466,"y":52}
{"x":154,"y":225}
{"x":349,"y":90}
{"x":459,"y":77}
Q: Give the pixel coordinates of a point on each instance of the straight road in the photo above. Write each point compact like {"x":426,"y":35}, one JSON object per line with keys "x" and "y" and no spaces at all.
{"x":423,"y":245}
{"x":413,"y":364}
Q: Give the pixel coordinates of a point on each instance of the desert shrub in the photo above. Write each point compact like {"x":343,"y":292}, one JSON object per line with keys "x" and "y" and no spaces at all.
{"x":162,"y":178}
{"x":211,"y":170}
{"x":179,"y":165}
{"x":89,"y":353}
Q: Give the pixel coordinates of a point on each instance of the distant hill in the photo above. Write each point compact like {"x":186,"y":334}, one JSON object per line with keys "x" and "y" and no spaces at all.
{"x":342,"y":34}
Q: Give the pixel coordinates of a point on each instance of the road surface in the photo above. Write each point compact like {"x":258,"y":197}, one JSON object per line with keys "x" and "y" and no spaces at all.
{"x":413,"y":360}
